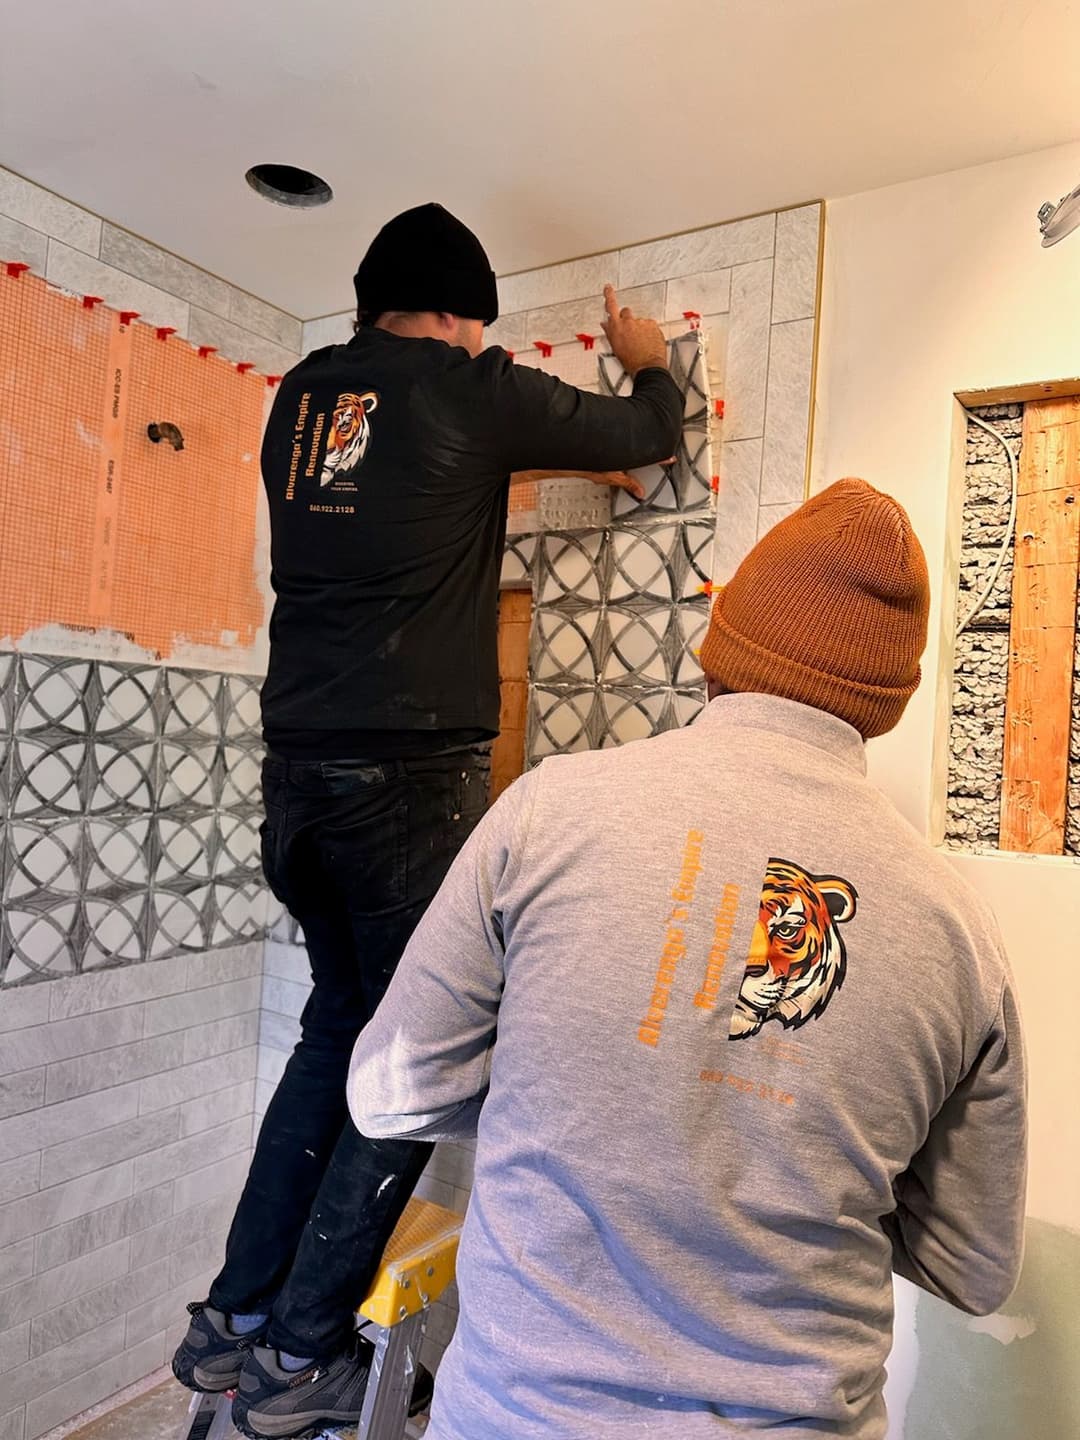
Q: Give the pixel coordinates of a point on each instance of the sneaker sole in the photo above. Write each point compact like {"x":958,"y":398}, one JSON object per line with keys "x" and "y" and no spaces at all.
{"x":290,"y":1427}
{"x":204,"y":1382}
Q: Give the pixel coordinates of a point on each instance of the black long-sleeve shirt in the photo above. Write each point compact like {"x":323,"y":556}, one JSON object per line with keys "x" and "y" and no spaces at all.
{"x":386,"y":463}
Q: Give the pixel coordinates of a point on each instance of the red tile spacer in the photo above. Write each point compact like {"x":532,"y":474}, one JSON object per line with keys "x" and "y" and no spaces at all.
{"x":708,"y":588}
{"x":714,"y":484}
{"x":587,"y":340}
{"x":127,"y":316}
{"x":273,"y":380}
{"x":245,"y":365}
{"x":510,"y":353}
{"x":544,"y":348}
{"x":205,"y":350}
{"x":15,"y":268}
{"x":89,"y":301}
{"x":164,"y":331}
{"x":693,"y":317}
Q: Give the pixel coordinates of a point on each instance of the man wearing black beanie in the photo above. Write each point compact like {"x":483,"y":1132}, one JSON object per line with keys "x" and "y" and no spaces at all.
{"x":387,"y":464}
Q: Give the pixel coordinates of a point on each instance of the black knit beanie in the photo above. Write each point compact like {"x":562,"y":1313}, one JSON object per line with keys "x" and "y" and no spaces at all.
{"x":425,"y":259}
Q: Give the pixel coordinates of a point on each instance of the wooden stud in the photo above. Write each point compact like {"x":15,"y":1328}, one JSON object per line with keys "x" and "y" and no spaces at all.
{"x":508,"y":752}
{"x":1038,"y":711}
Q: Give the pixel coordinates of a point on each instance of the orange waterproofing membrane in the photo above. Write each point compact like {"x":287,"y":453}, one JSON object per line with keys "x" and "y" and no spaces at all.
{"x":99,"y":527}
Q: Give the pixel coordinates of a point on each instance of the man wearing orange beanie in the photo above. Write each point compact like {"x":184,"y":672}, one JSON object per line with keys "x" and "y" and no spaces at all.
{"x":734,"y":1040}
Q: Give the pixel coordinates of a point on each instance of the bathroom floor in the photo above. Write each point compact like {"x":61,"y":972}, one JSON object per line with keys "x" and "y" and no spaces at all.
{"x":161,"y":1414}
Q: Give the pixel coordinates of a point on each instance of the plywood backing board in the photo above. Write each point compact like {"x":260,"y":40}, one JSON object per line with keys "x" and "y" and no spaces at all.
{"x":100,"y":528}
{"x":1043,"y":629}
{"x":508,"y":752}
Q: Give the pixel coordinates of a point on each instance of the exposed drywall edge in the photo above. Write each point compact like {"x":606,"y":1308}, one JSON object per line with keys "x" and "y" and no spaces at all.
{"x":950,"y":582}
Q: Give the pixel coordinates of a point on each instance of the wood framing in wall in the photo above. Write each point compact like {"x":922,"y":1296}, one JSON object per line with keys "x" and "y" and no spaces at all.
{"x":1038,"y":717}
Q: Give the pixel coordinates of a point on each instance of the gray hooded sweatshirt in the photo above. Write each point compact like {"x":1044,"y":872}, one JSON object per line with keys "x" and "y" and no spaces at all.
{"x":735,"y":1044}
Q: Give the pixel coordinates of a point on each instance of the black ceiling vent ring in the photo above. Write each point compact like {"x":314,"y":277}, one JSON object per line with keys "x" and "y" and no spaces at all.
{"x":285,"y":185}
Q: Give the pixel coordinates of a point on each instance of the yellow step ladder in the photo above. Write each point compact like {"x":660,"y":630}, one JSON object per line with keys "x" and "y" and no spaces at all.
{"x":417,"y":1266}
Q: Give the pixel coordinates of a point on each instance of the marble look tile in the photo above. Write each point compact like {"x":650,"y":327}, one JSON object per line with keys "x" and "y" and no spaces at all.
{"x":716,"y":248}
{"x":737,"y":506}
{"x":326,"y":330}
{"x":795,"y":281}
{"x":168,"y":272}
{"x":552,"y":284}
{"x":251,"y":313}
{"x":509,"y":331}
{"x":560,"y":323}
{"x":72,"y":270}
{"x":748,"y":351}
{"x":709,"y":293}
{"x":21,"y":243}
{"x":30,"y":205}
{"x":787,"y":412}
{"x":236,"y":344}
{"x":770,"y":515}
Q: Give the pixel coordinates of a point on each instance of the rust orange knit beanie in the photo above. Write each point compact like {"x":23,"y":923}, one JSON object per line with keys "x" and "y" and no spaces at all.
{"x":829,"y":608}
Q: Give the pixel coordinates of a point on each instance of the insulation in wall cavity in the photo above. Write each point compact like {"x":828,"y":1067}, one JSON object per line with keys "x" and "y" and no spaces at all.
{"x":981,"y":663}
{"x":129,"y":814}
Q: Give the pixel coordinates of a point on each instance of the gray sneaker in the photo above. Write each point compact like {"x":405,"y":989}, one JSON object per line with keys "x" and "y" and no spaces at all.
{"x":272,"y":1402}
{"x":210,"y":1357}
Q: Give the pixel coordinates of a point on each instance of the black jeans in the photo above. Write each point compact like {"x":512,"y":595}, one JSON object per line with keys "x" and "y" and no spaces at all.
{"x":355,"y":851}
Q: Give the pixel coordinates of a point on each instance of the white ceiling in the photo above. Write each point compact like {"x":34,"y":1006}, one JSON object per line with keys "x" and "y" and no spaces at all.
{"x":553,"y":127}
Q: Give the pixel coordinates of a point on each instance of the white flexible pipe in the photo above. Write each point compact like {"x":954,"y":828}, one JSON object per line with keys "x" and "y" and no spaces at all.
{"x":981,"y":601}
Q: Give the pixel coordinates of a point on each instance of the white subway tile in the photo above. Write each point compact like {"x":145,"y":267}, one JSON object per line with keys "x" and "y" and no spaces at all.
{"x":326,"y":330}
{"x":181,"y":1230}
{"x":218,"y":967}
{"x":29,"y":204}
{"x":737,"y":506}
{"x":24,"y":1090}
{"x":224,"y":1177}
{"x":795,"y":282}
{"x":19,"y":1177}
{"x":207,"y":1111}
{"x":168,"y":272}
{"x":279,"y":1032}
{"x":61,"y":1286}
{"x":236,"y":344}
{"x":86,"y":1155}
{"x":85,"y":1074}
{"x":287,"y":962}
{"x":508,"y":332}
{"x":53,"y":1367}
{"x":97,"y":1307}
{"x":708,"y":293}
{"x":696,"y":251}
{"x":101,"y":1227}
{"x":23,"y":1005}
{"x":16,"y":1262}
{"x":61,"y":1039}
{"x":48,"y":1411}
{"x":14,"y":1349}
{"x":109,"y":989}
{"x":284,"y":997}
{"x":56,"y":1123}
{"x":219,"y":1037}
{"x":176,"y":1087}
{"x":63,"y":1203}
{"x":770,"y":515}
{"x":748,"y":351}
{"x":552,"y":284}
{"x":787,"y":412}
{"x":198,"y":1007}
{"x":266,"y":320}
{"x":197,"y":1151}
{"x":72,"y":270}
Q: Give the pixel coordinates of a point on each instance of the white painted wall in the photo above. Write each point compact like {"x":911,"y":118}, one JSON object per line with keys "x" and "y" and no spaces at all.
{"x":931,"y":288}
